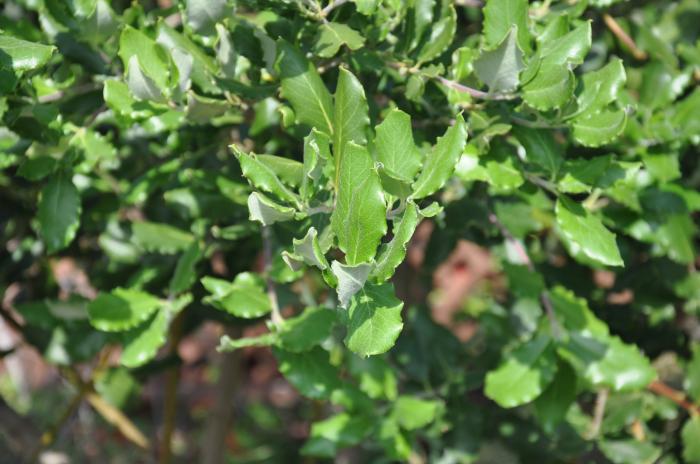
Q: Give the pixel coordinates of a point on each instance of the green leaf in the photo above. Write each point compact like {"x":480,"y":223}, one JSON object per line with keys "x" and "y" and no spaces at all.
{"x":21,"y":55}
{"x":145,"y":61}
{"x":309,"y":372}
{"x":351,"y":279}
{"x":310,"y":328}
{"x":303,"y":87}
{"x":160,"y":238}
{"x":339,"y":431}
{"x":570,"y":49}
{"x":586,"y":233}
{"x":374,"y":320}
{"x":203,"y":67}
{"x":245,"y":297}
{"x":540,"y":148}
{"x":122,"y":309}
{"x":351,"y":117}
{"x":500,"y":68}
{"x":691,"y":440}
{"x":523,"y":374}
{"x":440,"y":164}
{"x":552,"y":405}
{"x":287,"y":170}
{"x":59,"y":212}
{"x":36,"y":168}
{"x":334,"y":35}
{"x":185,"y":272}
{"x":551,"y":88}
{"x":596,"y":129}
{"x":141,"y":86}
{"x":601,"y":87}
{"x":414,"y":413}
{"x":441,"y":36}
{"x":262,"y":176}
{"x":310,"y":251}
{"x":394,"y":252}
{"x":359,"y":218}
{"x":500,"y":16}
{"x":146,"y":341}
{"x":396,"y":149}
{"x":630,"y":451}
{"x":202,"y":15}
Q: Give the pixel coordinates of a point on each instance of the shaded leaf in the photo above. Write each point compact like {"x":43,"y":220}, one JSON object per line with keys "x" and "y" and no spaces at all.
{"x":374,"y":320}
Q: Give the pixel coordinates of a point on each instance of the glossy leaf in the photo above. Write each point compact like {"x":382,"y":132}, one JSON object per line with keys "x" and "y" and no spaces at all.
{"x":160,"y":238}
{"x":22,"y":55}
{"x":359,"y":218}
{"x":552,"y":87}
{"x":441,"y":36}
{"x":587,"y":233}
{"x":332,"y":36}
{"x":59,"y":212}
{"x":309,"y":250}
{"x":122,"y":309}
{"x":500,"y":68}
{"x":305,"y":90}
{"x":596,"y":129}
{"x":540,"y":148}
{"x":396,"y":149}
{"x":309,"y":372}
{"x":499,"y":18}
{"x":351,"y":279}
{"x":441,"y":162}
{"x":245,"y":297}
{"x":374,"y":320}
{"x":524,"y":373}
{"x":394,"y":252}
{"x":351,"y":119}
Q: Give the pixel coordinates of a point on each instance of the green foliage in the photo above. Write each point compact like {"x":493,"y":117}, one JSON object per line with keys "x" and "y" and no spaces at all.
{"x":269,"y":162}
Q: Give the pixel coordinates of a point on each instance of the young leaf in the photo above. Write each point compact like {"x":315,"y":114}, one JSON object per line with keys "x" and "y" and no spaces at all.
{"x":441,"y":36}
{"x":524,"y":373}
{"x":122,"y":309}
{"x":305,"y":90}
{"x":441,"y":162}
{"x":160,"y":238}
{"x":499,"y":18}
{"x":309,"y":372}
{"x":393,"y":253}
{"x":351,"y":117}
{"x":262,"y":176}
{"x":540,"y":148}
{"x":310,"y":251}
{"x":59,"y":212}
{"x":374,"y":320}
{"x":245,"y":297}
{"x":21,"y":55}
{"x":587,"y":233}
{"x":396,"y":149}
{"x":334,"y":35}
{"x":500,"y":68}
{"x":351,"y":279}
{"x":359,"y":218}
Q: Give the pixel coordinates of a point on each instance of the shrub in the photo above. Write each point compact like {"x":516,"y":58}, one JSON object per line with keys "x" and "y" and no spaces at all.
{"x":271,"y":161}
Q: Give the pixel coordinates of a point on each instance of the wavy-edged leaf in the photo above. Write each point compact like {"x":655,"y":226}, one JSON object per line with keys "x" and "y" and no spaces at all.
{"x":374,"y":320}
{"x":596,"y":129}
{"x":524,"y":373}
{"x":500,"y":68}
{"x":394,"y":252}
{"x":59,"y":212}
{"x":309,"y":250}
{"x":395,"y":147}
{"x":309,"y":372}
{"x":441,"y":162}
{"x":359,"y":218}
{"x":265,"y":211}
{"x":185,"y":272}
{"x":160,"y":238}
{"x":570,"y":48}
{"x":351,"y":279}
{"x":262,"y":176}
{"x":152,"y":58}
{"x":500,"y":16}
{"x":22,"y":55}
{"x":552,"y":87}
{"x":122,"y":309}
{"x":351,"y":117}
{"x":332,"y":36}
{"x":441,"y":36}
{"x":245,"y":297}
{"x":601,"y":87}
{"x":303,"y":87}
{"x":310,"y":328}
{"x":202,"y":15}
{"x":540,"y":148}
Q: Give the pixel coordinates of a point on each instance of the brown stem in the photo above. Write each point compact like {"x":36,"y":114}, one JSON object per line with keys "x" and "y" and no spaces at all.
{"x":674,"y":395}
{"x":170,"y":400}
{"x":49,"y":437}
{"x":598,"y":413}
{"x":624,"y":37}
{"x":219,"y":421}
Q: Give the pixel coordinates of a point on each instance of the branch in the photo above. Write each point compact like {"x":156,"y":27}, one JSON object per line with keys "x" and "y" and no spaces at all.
{"x":598,"y":413}
{"x":674,"y":395}
{"x":170,"y":401}
{"x":520,"y":249}
{"x":332,"y":6}
{"x":624,"y":37}
{"x":277,"y":318}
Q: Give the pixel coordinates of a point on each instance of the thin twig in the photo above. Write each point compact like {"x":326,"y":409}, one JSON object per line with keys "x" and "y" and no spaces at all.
{"x":624,"y":37}
{"x":525,"y":258}
{"x":598,"y":413}
{"x":674,"y":395}
{"x":170,"y":400}
{"x":332,"y":6}
{"x":267,"y":267}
